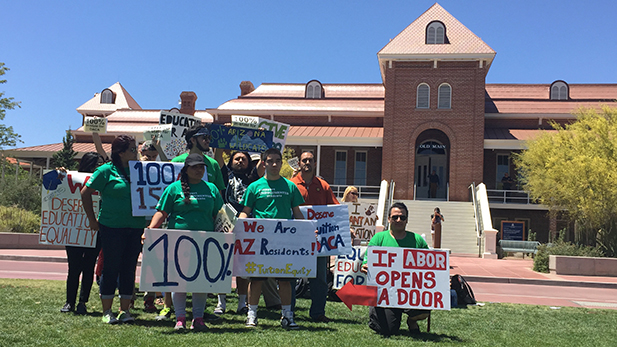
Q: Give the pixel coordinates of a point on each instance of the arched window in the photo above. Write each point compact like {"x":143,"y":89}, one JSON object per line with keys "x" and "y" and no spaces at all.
{"x":435,"y":33}
{"x":314,"y":90}
{"x":559,"y":91}
{"x":444,"y":96}
{"x":423,"y":96}
{"x":108,"y":97}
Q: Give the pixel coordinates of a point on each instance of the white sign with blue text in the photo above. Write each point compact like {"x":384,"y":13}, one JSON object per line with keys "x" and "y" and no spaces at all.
{"x":348,"y":268}
{"x":333,"y":236}
{"x":186,"y":261}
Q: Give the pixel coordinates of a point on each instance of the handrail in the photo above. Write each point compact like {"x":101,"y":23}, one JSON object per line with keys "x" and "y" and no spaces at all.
{"x":509,"y":196}
{"x":477,"y":216}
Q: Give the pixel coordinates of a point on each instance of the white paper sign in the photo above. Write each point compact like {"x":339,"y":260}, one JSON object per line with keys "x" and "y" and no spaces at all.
{"x":347,"y":268}
{"x":187,"y":261}
{"x":180,"y":123}
{"x":245,"y":121}
{"x":225,"y":219}
{"x":363,"y":219}
{"x":63,"y":220}
{"x":294,"y":163}
{"x":333,"y":237}
{"x":95,"y":125}
{"x":161,"y":133}
{"x":148,"y":181}
{"x":274,"y":248}
{"x":410,"y":278}
{"x":279,"y":130}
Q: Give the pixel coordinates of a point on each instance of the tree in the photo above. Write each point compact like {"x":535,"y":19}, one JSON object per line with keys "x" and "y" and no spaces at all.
{"x":66,"y":156}
{"x":8,"y":137}
{"x":573,"y":169}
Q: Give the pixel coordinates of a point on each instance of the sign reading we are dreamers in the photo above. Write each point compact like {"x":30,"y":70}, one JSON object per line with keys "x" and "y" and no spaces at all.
{"x":410,"y":278}
{"x":63,"y":220}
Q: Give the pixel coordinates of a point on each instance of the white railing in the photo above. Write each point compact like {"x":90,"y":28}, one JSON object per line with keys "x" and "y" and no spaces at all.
{"x":365,"y":192}
{"x":509,"y":196}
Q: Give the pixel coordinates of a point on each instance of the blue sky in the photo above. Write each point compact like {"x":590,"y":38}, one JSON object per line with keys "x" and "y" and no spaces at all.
{"x":60,"y":53}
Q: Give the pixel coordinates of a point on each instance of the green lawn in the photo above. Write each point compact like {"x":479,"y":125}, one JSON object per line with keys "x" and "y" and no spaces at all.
{"x":31,"y":317}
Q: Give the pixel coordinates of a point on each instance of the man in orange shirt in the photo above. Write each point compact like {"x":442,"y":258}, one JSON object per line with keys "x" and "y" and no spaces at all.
{"x":315,"y":191}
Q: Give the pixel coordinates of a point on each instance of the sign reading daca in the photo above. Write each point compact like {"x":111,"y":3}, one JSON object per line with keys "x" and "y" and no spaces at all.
{"x":410,"y":278}
{"x":333,"y":237}
{"x":274,"y":248}
{"x":95,"y":125}
{"x":63,"y":220}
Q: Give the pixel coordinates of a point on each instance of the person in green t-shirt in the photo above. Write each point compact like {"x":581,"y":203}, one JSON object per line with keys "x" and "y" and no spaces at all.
{"x":190,"y":204}
{"x":272,"y":196}
{"x":387,"y":321}
{"x":120,"y":231}
{"x":198,"y":141}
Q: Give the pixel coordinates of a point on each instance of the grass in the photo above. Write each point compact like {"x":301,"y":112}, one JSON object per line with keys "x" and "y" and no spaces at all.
{"x":31,"y":317}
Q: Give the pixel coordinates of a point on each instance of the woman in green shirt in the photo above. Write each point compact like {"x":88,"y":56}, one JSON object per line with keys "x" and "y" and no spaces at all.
{"x":190,"y":204}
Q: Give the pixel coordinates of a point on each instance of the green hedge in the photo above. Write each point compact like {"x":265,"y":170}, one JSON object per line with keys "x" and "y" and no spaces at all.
{"x":17,"y":220}
{"x":560,"y":247}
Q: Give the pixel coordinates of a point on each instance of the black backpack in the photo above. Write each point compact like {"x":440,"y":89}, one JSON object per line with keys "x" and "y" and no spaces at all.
{"x":463,"y":291}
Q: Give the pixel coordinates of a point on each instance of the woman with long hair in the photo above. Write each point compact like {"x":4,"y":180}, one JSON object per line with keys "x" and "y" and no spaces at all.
{"x":351,"y":194}
{"x":120,"y":232}
{"x":82,"y":259}
{"x":189,"y":204}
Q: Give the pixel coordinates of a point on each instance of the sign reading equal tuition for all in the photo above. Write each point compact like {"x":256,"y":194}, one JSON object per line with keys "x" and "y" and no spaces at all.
{"x":274,"y":248}
{"x":333,"y":237}
{"x":409,"y":277}
{"x":187,"y":261}
{"x":240,"y":139}
{"x":63,"y":220}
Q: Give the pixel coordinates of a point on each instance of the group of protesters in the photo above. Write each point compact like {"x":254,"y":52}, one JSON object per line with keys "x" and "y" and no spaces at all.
{"x":253,"y":188}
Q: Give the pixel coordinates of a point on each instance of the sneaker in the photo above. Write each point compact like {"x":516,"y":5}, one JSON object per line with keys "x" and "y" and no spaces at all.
{"x":242,"y":310}
{"x":165,"y":314}
{"x":322,"y":319}
{"x":198,"y":325}
{"x":149,"y":306}
{"x":208,"y":317}
{"x":180,"y":323}
{"x":251,"y":320}
{"x":109,"y":317}
{"x":125,"y":317}
{"x":81,"y":308}
{"x":287,"y":321}
{"x":219,"y":310}
{"x":67,"y":308}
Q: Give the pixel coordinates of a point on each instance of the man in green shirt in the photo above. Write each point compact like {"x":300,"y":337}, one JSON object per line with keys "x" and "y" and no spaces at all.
{"x":198,"y":141}
{"x":387,"y":321}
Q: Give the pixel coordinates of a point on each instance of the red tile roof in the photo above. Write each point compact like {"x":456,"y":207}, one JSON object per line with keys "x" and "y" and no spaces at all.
{"x":512,"y":134}
{"x":326,"y":131}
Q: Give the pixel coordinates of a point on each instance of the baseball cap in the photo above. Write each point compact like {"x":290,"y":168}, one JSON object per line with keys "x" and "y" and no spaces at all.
{"x":194,"y":159}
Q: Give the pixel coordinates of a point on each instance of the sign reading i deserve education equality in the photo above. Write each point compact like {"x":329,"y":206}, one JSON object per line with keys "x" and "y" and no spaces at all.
{"x":186,"y":261}
{"x":63,"y":220}
{"x":409,"y":277}
{"x":333,"y":237}
{"x":274,"y":248}
{"x":148,"y":181}
{"x":240,"y":139}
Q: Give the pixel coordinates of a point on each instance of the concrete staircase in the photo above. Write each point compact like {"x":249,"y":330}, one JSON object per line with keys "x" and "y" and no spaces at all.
{"x":458,"y":229}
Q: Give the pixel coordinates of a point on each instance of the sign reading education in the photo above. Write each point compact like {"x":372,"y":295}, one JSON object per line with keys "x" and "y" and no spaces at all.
{"x":280,"y":130}
{"x":347,"y":268}
{"x":240,"y":139}
{"x":409,"y":277}
{"x":333,"y":237}
{"x":95,"y":125}
{"x":275,"y":248}
{"x":180,"y":123}
{"x":148,"y":181}
{"x":63,"y":220}
{"x":186,"y":261}
{"x":363,"y":219}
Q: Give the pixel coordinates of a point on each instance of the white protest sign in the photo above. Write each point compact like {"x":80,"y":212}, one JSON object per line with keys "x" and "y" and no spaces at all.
{"x":95,"y":125}
{"x":280,"y":130}
{"x":63,"y":220}
{"x":274,"y":248}
{"x":186,"y":261}
{"x":410,"y":278}
{"x":363,"y":219}
{"x":294,"y":163}
{"x":161,"y":133}
{"x":225,"y":219}
{"x":333,"y":237}
{"x":347,"y":268}
{"x":148,"y":181}
{"x":180,"y":122}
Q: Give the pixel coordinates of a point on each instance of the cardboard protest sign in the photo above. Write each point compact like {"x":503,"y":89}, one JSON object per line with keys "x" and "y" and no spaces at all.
{"x":63,"y":220}
{"x":148,"y":181}
{"x":274,"y":248}
{"x":280,"y":130}
{"x":333,"y":237}
{"x":410,"y":278}
{"x":363,"y":219}
{"x":95,"y":125}
{"x":225,"y":219}
{"x":187,"y":261}
{"x":180,"y":123}
{"x":240,"y":139}
{"x":347,"y":268}
{"x":294,"y":163}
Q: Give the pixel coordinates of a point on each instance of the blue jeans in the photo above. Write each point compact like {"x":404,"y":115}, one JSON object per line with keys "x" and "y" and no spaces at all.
{"x":319,"y":289}
{"x":121,"y":248}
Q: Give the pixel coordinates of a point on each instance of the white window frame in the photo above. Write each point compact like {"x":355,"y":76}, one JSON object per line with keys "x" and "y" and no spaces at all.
{"x":314,"y":90}
{"x":440,"y":97}
{"x":428,"y":96}
{"x":559,"y":91}
{"x":355,"y":170}
{"x":435,"y":33}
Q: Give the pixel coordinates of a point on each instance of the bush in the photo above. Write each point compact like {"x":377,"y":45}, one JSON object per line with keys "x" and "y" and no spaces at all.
{"x":24,"y":192}
{"x":17,"y":220}
{"x":561,"y":247}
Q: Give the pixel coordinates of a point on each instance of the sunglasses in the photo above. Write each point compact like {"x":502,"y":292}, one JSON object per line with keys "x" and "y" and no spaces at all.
{"x":397,"y":217}
{"x":354,"y":193}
